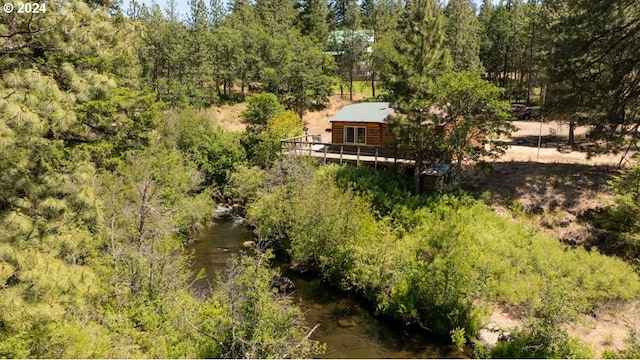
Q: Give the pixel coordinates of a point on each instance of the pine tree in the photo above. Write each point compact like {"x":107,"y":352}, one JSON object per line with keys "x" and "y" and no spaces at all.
{"x":199,"y":73}
{"x":462,"y":31}
{"x":277,"y":17}
{"x":415,"y":62}
{"x":595,"y":67}
{"x":312,"y":19}
{"x":52,"y":66}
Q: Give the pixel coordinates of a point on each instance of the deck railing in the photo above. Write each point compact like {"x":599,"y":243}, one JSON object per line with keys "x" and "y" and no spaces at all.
{"x":310,"y":145}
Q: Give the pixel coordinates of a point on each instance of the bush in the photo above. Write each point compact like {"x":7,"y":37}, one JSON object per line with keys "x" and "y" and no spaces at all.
{"x":215,"y":150}
{"x":246,"y":318}
{"x":245,"y":184}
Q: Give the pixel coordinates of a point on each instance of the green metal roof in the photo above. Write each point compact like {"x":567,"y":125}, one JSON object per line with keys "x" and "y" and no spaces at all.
{"x":346,"y":36}
{"x":373,"y":112}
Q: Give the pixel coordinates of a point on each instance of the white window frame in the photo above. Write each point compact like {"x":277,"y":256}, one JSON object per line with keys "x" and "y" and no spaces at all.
{"x":355,"y":135}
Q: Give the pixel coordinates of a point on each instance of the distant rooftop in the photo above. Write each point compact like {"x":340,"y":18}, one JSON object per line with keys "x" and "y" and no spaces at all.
{"x":347,"y":36}
{"x":374,"y":112}
{"x":340,"y":41}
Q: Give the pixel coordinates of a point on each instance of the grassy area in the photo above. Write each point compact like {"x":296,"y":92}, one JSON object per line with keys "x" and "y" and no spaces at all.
{"x":359,"y":87}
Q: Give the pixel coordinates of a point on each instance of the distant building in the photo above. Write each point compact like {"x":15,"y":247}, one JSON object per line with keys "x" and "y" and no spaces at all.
{"x":341,"y":44}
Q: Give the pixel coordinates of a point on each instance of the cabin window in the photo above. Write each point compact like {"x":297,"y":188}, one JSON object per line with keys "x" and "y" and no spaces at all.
{"x":355,"y":135}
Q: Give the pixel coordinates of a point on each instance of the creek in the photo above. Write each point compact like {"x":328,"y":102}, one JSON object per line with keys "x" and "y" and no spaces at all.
{"x":348,"y":326}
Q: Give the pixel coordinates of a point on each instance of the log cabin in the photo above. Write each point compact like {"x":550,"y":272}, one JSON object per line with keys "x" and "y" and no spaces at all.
{"x":362,"y":124}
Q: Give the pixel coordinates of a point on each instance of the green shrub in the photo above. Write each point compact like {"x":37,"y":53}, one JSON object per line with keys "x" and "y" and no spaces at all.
{"x":246,"y":318}
{"x":215,"y":150}
{"x":245,"y":184}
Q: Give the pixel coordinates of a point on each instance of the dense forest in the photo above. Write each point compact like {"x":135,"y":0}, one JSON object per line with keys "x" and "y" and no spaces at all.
{"x":110,"y":160}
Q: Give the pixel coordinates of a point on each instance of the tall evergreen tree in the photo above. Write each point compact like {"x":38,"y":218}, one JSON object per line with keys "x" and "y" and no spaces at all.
{"x":217,"y":13}
{"x":276,"y":16}
{"x":344,"y":14}
{"x":312,"y":19}
{"x":595,"y":68}
{"x":163,"y":56}
{"x":199,"y":79}
{"x":377,"y":15}
{"x":463,"y":30}
{"x":415,"y":62}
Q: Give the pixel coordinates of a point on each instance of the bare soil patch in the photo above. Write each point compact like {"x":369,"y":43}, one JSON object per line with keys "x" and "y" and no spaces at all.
{"x":228,"y":116}
{"x":318,"y":122}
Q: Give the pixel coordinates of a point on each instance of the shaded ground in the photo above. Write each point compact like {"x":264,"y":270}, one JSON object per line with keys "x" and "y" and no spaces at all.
{"x":555,"y":196}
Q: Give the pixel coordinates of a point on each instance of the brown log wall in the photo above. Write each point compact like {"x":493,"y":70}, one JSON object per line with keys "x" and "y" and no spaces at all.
{"x":376,"y":132}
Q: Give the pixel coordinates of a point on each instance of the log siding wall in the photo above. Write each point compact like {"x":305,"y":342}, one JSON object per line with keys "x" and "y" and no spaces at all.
{"x":376,"y":132}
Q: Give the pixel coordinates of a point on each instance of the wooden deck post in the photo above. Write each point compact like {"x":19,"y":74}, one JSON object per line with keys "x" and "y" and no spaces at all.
{"x":341,"y":148}
{"x":281,"y":155}
{"x":325,"y":154}
{"x":375,"y":162}
{"x":358,"y":157}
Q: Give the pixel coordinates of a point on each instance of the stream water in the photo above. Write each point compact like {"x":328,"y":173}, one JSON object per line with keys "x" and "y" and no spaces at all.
{"x":348,"y":327}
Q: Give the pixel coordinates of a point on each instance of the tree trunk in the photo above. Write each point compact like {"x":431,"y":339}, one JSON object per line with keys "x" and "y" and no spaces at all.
{"x":572,"y":126}
{"x":417,"y":189}
{"x":351,"y":83}
{"x":373,"y":84}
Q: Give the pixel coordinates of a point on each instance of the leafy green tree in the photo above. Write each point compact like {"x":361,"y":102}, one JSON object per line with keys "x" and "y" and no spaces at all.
{"x":246,"y":184}
{"x":215,"y":150}
{"x":268,"y":124}
{"x":475,"y":115}
{"x":415,"y":62}
{"x":282,"y":126}
{"x":261,"y":108}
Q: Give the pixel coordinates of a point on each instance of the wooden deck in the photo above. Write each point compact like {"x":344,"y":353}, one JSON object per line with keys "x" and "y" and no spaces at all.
{"x":306,"y":145}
